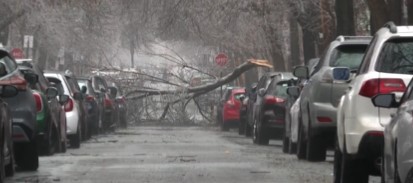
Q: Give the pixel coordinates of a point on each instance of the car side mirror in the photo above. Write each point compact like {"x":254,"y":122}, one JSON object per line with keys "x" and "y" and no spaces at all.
{"x":261,"y":92}
{"x":113,"y":91}
{"x":8,"y":91}
{"x":63,"y":99}
{"x":83,"y":89}
{"x":293,"y":91}
{"x":51,"y":92}
{"x":103,"y":90}
{"x":78,"y":96}
{"x":301,"y":72}
{"x":341,"y":74}
{"x":385,"y":100}
{"x":31,"y":78}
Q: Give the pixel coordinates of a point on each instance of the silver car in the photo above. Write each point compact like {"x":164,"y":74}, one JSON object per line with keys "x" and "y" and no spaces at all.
{"x":320,"y":96}
{"x":398,"y":137}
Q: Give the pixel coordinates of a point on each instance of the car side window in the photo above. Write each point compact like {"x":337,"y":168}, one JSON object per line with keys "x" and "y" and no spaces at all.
{"x":9,"y":64}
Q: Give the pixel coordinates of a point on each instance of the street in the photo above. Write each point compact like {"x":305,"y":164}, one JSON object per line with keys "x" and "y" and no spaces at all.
{"x":176,"y":155}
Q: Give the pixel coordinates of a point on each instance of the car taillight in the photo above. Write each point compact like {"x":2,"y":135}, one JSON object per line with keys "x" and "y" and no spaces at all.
{"x":270,"y":100}
{"x":16,"y":80}
{"x":90,"y":98}
{"x":373,"y":87}
{"x":39,"y":102}
{"x":69,"y":105}
{"x":107,"y":102}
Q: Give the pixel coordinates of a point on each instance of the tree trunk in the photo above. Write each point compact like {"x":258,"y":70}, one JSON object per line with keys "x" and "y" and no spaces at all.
{"x":132,"y":54}
{"x":378,"y":14}
{"x":395,"y":10}
{"x":294,"y":42}
{"x":345,"y":17}
{"x":409,"y":4}
{"x":309,"y":46}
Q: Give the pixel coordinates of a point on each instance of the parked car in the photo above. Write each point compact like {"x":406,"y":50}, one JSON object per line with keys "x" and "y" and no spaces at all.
{"x":23,"y":110}
{"x":269,"y":118}
{"x":120,"y":102}
{"x":398,"y":135}
{"x":108,"y":117}
{"x":386,"y":68}
{"x":51,"y":135}
{"x":256,"y":100}
{"x":74,"y":107}
{"x":94,"y":107}
{"x":249,"y":104}
{"x":6,"y":141}
{"x":243,"y":115}
{"x":292,"y":110}
{"x":231,"y":108}
{"x":220,"y":107}
{"x":320,"y":96}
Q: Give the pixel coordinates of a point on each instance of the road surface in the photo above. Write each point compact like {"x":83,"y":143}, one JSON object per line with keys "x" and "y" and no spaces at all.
{"x":147,"y":154}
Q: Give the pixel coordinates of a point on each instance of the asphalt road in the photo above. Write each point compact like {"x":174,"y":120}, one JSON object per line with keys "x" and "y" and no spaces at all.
{"x":177,"y":155}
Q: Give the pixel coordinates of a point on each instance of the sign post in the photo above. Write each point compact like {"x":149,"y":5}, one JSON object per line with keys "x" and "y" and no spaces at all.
{"x":221,"y":60}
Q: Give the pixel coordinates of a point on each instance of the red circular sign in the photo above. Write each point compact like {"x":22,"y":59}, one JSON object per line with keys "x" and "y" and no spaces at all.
{"x":221,"y":59}
{"x":17,"y":53}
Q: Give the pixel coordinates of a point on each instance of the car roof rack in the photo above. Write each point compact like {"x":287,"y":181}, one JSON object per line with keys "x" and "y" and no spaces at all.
{"x":391,"y":26}
{"x":344,"y":38}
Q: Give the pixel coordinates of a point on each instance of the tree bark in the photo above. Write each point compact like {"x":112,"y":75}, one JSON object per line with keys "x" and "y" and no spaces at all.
{"x":378,"y":14}
{"x":409,"y":4}
{"x":345,"y":17}
{"x":309,"y":45}
{"x":294,"y":42}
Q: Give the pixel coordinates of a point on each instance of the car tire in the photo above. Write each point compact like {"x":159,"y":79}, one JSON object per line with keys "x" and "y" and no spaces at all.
{"x":292,"y":147}
{"x":27,"y":157}
{"x":316,"y":149}
{"x":301,"y":144}
{"x":248,"y":130}
{"x":352,"y":170}
{"x":2,"y":157}
{"x":224,"y":127}
{"x":259,"y":135}
{"x":337,"y":163}
{"x":286,"y":144}
{"x":76,"y":139}
{"x":241,"y":127}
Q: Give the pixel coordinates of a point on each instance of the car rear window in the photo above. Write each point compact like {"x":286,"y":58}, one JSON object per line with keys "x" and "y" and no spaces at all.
{"x":396,"y":57}
{"x":348,"y":56}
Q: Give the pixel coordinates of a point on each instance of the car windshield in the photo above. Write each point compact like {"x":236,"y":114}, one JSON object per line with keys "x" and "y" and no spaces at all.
{"x":238,"y":96}
{"x":396,"y":57}
{"x":348,"y":56}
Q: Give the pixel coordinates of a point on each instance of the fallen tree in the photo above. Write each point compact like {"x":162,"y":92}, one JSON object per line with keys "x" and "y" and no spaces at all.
{"x":187,"y":93}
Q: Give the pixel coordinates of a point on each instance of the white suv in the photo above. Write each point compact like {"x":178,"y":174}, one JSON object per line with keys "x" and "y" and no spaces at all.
{"x":387,"y":67}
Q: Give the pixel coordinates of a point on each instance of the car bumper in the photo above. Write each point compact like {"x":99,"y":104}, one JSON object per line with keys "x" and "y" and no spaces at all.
{"x":72,"y":120}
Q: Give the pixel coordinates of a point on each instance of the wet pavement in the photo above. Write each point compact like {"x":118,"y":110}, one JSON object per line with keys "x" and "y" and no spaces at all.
{"x":177,"y":155}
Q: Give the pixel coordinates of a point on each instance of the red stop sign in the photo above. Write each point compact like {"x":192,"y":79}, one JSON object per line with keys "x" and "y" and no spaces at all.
{"x":17,"y":53}
{"x":221,"y":59}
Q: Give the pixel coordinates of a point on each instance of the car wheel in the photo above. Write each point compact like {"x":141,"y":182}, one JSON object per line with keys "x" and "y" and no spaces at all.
{"x":27,"y":157}
{"x":248,"y":130}
{"x":316,"y":150}
{"x":352,"y":170}
{"x":337,"y":163}
{"x":286,"y":144}
{"x":2,"y":157}
{"x":286,"y":141}
{"x":75,"y":139}
{"x":396,"y":170}
{"x":301,"y":144}
{"x":241,"y":127}
{"x":259,"y":135}
{"x":224,"y":127}
{"x":292,"y":147}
